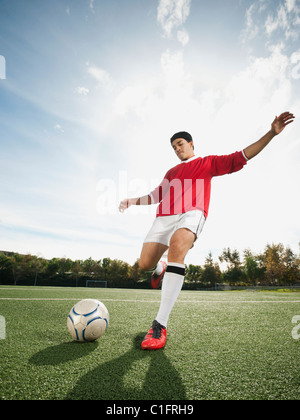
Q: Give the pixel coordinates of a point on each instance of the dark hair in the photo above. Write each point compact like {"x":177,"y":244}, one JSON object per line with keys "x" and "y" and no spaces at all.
{"x":182,"y":135}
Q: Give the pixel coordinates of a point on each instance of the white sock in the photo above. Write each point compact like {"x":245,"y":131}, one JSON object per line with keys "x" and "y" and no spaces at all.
{"x":159,"y":268}
{"x":171,"y":287}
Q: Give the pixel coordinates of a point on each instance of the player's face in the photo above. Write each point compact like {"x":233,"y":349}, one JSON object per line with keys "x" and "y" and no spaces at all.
{"x":183,"y":149}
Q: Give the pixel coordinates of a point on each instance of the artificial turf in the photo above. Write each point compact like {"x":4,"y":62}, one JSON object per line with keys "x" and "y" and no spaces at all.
{"x":221,"y":345}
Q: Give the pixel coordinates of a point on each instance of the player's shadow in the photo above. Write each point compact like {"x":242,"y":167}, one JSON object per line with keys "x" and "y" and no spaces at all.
{"x":136,"y":375}
{"x":62,"y":353}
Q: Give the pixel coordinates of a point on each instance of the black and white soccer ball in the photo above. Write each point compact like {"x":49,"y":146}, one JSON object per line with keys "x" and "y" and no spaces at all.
{"x":88,"y":320}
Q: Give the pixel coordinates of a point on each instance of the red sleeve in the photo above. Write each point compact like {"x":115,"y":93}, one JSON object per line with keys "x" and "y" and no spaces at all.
{"x":158,"y":194}
{"x":227,"y":164}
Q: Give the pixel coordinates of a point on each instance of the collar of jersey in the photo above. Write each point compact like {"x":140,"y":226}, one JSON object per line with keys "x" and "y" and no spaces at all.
{"x":190,"y":159}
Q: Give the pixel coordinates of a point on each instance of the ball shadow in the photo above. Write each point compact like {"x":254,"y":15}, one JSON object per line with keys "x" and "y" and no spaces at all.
{"x":62,"y":353}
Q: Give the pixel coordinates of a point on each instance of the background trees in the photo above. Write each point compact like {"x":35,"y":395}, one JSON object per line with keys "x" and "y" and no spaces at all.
{"x":276,"y":265}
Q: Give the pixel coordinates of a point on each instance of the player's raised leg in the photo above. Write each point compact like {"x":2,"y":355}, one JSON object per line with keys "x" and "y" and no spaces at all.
{"x":151,"y":254}
{"x":150,"y":257}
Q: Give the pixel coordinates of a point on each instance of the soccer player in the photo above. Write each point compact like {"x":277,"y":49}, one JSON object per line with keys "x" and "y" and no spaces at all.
{"x":183,"y":198}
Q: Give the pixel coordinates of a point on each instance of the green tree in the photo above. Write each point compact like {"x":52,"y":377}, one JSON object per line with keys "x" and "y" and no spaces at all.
{"x":194,"y":273}
{"x":88,"y":266}
{"x":53,"y":267}
{"x":5,"y":268}
{"x":77,"y":270}
{"x":17,"y":267}
{"x":254,"y":273}
{"x":272,"y":258}
{"x":292,"y":267}
{"x":211,"y":273}
{"x":36,"y":266}
{"x":136,"y":272}
{"x":234,"y":274}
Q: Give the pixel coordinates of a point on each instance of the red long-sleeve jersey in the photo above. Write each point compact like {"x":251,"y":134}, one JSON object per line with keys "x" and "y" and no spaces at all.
{"x":187,"y":186}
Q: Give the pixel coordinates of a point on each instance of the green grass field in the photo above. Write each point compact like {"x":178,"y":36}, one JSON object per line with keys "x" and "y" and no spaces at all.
{"x":221,"y":345}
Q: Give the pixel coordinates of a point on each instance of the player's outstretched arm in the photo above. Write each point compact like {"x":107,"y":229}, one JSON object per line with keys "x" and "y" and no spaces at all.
{"x":141,"y":201}
{"x":277,"y":127}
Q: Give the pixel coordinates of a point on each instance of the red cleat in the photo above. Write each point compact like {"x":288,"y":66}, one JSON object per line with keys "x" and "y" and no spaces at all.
{"x":155,"y":338}
{"x":156,"y":280}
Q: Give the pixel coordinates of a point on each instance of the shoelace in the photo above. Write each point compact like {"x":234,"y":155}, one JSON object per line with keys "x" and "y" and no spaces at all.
{"x":156,"y":330}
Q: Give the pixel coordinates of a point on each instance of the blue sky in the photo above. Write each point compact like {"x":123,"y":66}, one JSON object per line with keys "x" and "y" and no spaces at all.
{"x":92,"y":92}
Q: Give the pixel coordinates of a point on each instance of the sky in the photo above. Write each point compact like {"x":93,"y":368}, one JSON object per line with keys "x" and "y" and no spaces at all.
{"x":91,"y":92}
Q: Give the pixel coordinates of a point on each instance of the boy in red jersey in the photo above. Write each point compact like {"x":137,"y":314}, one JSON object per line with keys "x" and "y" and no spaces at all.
{"x":183,"y":198}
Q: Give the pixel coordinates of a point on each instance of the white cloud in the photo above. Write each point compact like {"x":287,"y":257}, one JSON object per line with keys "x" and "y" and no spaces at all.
{"x":170,"y":90}
{"x":279,"y":21}
{"x":169,"y":101}
{"x":253,"y":19}
{"x":183,"y":37}
{"x":81,"y":90}
{"x":173,"y":14}
{"x":100,"y":75}
{"x":286,"y":18}
{"x":58,"y":127}
{"x":295,"y":62}
{"x":263,"y":17}
{"x":92,"y":6}
{"x":290,"y":5}
{"x":173,"y":68}
{"x":132,"y":98}
{"x":261,"y":90}
{"x":251,"y":29}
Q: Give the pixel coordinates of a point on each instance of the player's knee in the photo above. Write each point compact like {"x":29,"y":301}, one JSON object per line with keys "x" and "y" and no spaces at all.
{"x":177,"y":248}
{"x":177,"y":252}
{"x":180,"y":244}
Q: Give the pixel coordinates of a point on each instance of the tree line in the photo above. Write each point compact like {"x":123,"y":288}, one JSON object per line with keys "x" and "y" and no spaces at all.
{"x":276,"y":265}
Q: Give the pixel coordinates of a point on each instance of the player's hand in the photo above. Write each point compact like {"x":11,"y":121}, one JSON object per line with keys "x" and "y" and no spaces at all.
{"x":281,"y":122}
{"x":125,"y":204}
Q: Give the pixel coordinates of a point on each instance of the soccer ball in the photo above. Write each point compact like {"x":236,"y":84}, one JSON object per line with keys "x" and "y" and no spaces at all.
{"x":88,"y":320}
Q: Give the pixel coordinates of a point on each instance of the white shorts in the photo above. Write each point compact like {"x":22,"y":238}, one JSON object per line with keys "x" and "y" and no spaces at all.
{"x":164,"y":227}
